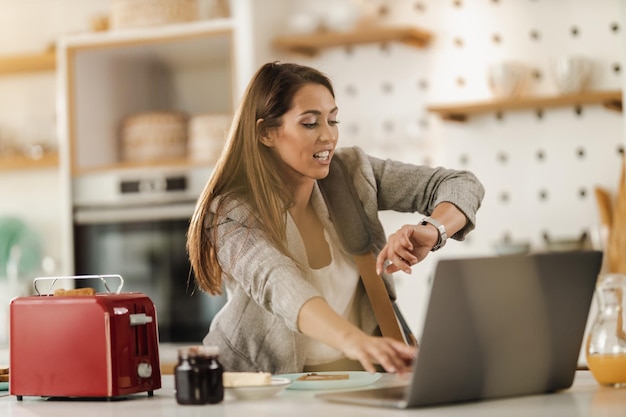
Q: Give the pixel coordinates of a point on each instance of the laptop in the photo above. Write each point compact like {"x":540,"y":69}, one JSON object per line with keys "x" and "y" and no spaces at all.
{"x":496,"y":327}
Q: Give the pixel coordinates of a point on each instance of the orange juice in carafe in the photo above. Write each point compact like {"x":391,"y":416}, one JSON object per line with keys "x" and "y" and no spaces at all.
{"x":608,"y":369}
{"x":606,"y":343}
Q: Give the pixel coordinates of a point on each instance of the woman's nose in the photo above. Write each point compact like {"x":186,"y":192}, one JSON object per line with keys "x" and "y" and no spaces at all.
{"x":329,"y":133}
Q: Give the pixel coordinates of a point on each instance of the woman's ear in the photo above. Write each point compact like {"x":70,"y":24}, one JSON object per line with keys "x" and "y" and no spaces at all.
{"x":265,"y":134}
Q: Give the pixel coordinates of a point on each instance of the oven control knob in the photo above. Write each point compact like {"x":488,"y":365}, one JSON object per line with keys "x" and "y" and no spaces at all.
{"x":144,"y":370}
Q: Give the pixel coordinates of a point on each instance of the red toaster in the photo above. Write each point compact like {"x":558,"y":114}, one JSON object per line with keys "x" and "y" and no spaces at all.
{"x":102,"y":345}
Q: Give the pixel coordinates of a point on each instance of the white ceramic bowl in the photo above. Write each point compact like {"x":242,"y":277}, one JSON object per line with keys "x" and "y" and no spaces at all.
{"x":571,"y":73}
{"x":507,"y":78}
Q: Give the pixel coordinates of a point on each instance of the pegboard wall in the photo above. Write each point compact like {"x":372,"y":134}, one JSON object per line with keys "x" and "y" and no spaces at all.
{"x":539,"y":166}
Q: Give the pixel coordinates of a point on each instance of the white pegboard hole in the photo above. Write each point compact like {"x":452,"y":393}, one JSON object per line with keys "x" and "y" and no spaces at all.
{"x":578,"y":110}
{"x":351,"y":90}
{"x":540,"y":155}
{"x":582,"y":193}
{"x":617,"y":68}
{"x":539,"y":113}
{"x":419,"y":7}
{"x":386,"y":87}
{"x":536,"y":74}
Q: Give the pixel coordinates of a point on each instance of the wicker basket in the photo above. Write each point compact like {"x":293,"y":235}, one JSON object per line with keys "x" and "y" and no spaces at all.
{"x":138,"y":13}
{"x":154,"y":136}
{"x":207,"y":136}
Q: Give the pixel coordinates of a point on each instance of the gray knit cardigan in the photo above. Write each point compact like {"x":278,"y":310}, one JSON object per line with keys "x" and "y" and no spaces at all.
{"x":257,"y":328}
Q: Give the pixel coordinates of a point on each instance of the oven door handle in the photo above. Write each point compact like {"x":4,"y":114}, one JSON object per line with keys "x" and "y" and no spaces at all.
{"x":178,"y":211}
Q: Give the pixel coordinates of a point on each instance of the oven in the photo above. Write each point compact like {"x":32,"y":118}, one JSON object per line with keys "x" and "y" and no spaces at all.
{"x":134,"y":223}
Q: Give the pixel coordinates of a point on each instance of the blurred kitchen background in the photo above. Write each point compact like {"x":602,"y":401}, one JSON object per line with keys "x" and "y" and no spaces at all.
{"x":112,"y":112}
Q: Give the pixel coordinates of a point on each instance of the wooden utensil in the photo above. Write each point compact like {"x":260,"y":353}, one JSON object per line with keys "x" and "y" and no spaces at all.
{"x":605,"y":206}
{"x":616,"y":251}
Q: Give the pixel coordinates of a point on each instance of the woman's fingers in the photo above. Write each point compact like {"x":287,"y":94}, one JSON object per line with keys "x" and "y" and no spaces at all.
{"x":393,"y":356}
{"x":398,"y":252}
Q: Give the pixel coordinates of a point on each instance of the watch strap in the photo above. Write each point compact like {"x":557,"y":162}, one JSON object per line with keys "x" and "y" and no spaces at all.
{"x":443,"y":235}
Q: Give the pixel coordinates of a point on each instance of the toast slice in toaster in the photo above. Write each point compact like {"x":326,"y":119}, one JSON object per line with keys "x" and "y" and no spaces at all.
{"x":76,"y":291}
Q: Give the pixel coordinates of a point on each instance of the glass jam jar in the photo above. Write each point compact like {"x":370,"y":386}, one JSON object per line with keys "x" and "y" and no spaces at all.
{"x":198,"y":376}
{"x":214,"y":375}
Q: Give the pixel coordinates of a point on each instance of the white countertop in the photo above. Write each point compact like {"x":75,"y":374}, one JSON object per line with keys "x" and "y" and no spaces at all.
{"x":585,"y":398}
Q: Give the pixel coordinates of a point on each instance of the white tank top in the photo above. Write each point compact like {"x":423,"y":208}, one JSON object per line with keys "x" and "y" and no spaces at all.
{"x":338,"y":283}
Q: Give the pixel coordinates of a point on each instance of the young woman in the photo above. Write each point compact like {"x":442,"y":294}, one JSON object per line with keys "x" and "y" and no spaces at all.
{"x":262,"y":230}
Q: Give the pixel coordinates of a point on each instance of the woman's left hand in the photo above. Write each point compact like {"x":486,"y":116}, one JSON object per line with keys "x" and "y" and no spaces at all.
{"x":406,"y":247}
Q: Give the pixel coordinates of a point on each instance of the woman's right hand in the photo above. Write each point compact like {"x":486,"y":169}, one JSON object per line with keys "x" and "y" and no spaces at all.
{"x":316,"y":319}
{"x":392,"y":355}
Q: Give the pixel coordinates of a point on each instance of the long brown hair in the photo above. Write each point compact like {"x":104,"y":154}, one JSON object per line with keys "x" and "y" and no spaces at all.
{"x":246,"y":172}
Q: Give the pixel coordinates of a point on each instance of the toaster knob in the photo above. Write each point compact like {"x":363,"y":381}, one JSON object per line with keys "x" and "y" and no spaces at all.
{"x":144,"y":370}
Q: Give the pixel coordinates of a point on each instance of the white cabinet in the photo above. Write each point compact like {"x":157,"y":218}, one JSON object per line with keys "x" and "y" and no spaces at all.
{"x":106,"y":77}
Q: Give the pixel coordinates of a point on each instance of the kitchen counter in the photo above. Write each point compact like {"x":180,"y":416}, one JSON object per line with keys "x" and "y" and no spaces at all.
{"x":585,"y":398}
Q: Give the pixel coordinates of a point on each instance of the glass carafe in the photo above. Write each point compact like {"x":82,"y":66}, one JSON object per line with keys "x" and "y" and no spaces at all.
{"x":606,"y":343}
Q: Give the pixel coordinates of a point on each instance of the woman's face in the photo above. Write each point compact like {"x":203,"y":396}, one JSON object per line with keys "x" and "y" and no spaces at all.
{"x":305,"y":142}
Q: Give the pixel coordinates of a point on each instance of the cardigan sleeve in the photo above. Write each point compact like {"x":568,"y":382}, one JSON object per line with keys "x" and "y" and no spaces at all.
{"x":411,"y":188}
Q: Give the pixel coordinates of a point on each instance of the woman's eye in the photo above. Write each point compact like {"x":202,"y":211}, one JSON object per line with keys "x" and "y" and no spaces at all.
{"x":316,"y":124}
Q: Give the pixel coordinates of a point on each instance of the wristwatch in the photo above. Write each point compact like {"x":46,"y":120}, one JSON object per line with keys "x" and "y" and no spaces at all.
{"x":443,"y":236}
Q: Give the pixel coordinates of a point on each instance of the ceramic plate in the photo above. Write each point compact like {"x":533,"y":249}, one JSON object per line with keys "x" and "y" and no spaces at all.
{"x":355,"y":379}
{"x":256,"y":392}
{"x":4,"y":386}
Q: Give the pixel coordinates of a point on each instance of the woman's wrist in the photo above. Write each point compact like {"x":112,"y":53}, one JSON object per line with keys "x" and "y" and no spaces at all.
{"x":440,"y":234}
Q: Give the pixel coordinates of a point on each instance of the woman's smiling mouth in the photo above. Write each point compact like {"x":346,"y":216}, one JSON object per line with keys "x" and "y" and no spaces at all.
{"x":322,"y":155}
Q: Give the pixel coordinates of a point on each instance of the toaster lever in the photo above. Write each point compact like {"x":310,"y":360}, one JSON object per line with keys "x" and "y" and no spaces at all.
{"x":139,"y":319}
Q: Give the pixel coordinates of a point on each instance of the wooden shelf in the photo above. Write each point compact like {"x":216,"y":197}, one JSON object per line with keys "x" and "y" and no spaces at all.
{"x":16,"y":64}
{"x":14,"y":163}
{"x":312,"y":44}
{"x":460,"y":112}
